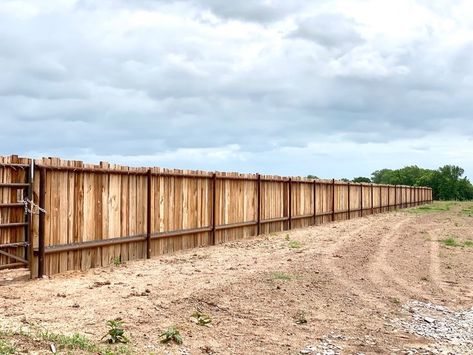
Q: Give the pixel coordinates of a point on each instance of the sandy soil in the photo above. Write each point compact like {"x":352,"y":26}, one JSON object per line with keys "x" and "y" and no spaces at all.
{"x":348,"y":280}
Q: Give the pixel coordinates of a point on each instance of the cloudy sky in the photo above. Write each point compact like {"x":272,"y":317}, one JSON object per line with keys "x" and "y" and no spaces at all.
{"x":327,"y":87}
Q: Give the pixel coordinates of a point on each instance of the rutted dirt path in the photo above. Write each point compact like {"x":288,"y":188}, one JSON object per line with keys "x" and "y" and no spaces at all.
{"x":348,"y":280}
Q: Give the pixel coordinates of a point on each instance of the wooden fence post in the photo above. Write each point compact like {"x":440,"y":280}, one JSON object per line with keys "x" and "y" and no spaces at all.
{"x":389,"y":198}
{"x":258,"y":217}
{"x":148,"y":216}
{"x":333,"y":200}
{"x":42,"y":222}
{"x":214,"y":209}
{"x":395,"y":197}
{"x":290,"y":203}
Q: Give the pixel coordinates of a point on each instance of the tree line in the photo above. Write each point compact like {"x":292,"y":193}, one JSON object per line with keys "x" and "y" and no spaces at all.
{"x":447,"y":182}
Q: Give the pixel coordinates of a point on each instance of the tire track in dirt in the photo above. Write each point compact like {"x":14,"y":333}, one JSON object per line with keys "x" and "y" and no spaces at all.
{"x":340,"y":276}
{"x":381,"y":273}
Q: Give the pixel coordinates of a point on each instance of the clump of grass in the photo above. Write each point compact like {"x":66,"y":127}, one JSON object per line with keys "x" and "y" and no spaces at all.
{"x":450,"y":242}
{"x":171,"y":334}
{"x":468,"y":211}
{"x":6,"y":348}
{"x":280,"y":276}
{"x":115,"y":333}
{"x":468,"y":244}
{"x":395,"y":300}
{"x":295,"y":244}
{"x":287,"y":237}
{"x":117,"y":260}
{"x":435,"y":207}
{"x":69,"y":342}
{"x":201,"y":318}
{"x":300,"y":318}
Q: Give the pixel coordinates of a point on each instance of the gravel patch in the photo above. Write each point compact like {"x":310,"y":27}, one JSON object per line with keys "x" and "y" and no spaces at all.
{"x":451,"y":331}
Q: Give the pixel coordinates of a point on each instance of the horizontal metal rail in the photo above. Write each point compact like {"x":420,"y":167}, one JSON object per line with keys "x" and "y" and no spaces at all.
{"x":14,"y":185}
{"x":14,"y":165}
{"x":13,"y":225}
{"x":12,"y":205}
{"x":14,"y":245}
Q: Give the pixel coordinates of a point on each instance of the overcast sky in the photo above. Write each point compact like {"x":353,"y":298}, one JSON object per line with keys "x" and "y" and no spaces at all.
{"x":332,"y":88}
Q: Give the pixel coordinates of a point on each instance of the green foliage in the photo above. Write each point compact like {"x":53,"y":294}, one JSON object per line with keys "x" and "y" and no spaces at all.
{"x":201,"y":318}
{"x":450,"y":242}
{"x":345,"y":180}
{"x":6,"y":348}
{"x":446,"y":182}
{"x":295,"y":244}
{"x":70,"y":342}
{"x":117,"y":260}
{"x":468,"y":244}
{"x":171,"y":334}
{"x":312,"y":177}
{"x":361,"y":179}
{"x":281,"y":276}
{"x":115,"y":333}
{"x":435,"y":207}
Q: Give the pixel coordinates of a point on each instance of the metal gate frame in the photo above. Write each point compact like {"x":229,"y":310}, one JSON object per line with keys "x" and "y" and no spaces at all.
{"x":27,"y":187}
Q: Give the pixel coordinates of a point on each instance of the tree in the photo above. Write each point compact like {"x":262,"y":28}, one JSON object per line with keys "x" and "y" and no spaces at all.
{"x":361,"y":179}
{"x":446,"y":182}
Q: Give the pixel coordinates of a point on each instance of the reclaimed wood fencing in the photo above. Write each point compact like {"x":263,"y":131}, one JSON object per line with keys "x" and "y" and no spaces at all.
{"x":99,"y":213}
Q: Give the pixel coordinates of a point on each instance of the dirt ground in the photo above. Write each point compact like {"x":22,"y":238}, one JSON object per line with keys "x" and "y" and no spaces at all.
{"x":335,"y":288}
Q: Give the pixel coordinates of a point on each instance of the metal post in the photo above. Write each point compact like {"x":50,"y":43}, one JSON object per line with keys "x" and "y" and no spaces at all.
{"x":290,"y":203}
{"x":42,"y":221}
{"x":148,"y":216}
{"x":349,"y":214}
{"x":315,"y":202}
{"x":28,"y":236}
{"x":258,"y":209}
{"x":361,"y":200}
{"x":214,"y":209}
{"x":333,"y":200}
{"x":372,"y":199}
{"x":395,"y":197}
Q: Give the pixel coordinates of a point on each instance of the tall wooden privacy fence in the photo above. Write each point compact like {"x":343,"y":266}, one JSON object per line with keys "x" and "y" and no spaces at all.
{"x":98,"y":213}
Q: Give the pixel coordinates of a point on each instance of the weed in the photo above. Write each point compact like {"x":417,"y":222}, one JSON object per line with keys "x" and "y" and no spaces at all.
{"x":6,"y":348}
{"x":287,"y":237}
{"x":294,"y":244}
{"x":468,"y":244}
{"x":395,"y":300}
{"x":201,"y":318}
{"x":171,"y":334}
{"x":117,"y":260}
{"x":450,"y":242}
{"x":71,"y":342}
{"x":281,"y":276}
{"x":115,"y":333}
{"x":300,"y":318}
{"x":436,"y":207}
{"x":467,"y":211}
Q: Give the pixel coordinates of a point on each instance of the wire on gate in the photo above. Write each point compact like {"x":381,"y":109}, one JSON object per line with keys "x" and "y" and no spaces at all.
{"x":34,"y":209}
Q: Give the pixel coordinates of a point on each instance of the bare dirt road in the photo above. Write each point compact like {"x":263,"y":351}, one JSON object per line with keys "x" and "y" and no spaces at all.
{"x":357,"y":286}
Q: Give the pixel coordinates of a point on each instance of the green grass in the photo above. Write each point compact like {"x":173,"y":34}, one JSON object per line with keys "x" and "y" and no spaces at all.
{"x":435,"y":207}
{"x":68,"y":344}
{"x":6,"y":348}
{"x":280,"y":276}
{"x":467,"y":211}
{"x":450,"y":242}
{"x":295,"y":244}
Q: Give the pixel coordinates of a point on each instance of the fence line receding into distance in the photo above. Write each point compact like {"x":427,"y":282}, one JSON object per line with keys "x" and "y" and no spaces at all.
{"x":99,"y":213}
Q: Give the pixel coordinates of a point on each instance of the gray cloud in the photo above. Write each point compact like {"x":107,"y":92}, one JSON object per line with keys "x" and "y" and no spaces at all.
{"x":153,"y":78}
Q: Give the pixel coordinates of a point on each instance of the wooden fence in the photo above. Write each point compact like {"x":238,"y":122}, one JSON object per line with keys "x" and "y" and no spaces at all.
{"x":99,"y":213}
